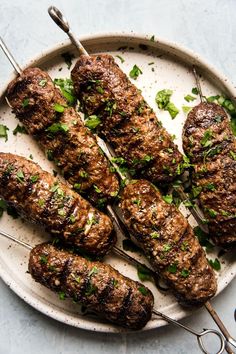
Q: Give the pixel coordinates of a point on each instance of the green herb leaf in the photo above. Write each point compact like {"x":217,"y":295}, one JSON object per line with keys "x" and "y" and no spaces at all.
{"x":163,"y":98}
{"x":77,"y":186}
{"x":143,"y":290}
{"x":25,"y":102}
{"x":58,"y":108}
{"x":206,"y":140}
{"x":34,"y":179}
{"x":196,"y":190}
{"x":67,"y":90}
{"x":172,"y":109}
{"x":41,"y":202}
{"x":3,"y":206}
{"x":144,"y":273}
{"x":43,"y":82}
{"x":233,"y":155}
{"x":137,"y":201}
{"x":49,"y":154}
{"x":212,"y":213}
{"x":168,"y":198}
{"x":94,"y":270}
{"x":152,"y":39}
{"x":100,"y":89}
{"x":58,"y":127}
{"x":20,"y":176}
{"x":97,"y":190}
{"x":186,"y":109}
{"x":184,"y":273}
{"x":62,"y":295}
{"x":43,"y":259}
{"x":167,"y":247}
{"x":189,"y":98}
{"x":91,"y":289}
{"x":92,"y":122}
{"x":155,"y":234}
{"x":121,"y":59}
{"x":3,"y":131}
{"x":135,"y":72}
{"x":195,"y":91}
{"x":203,"y":238}
{"x":172,"y":268}
{"x":215,"y":264}
{"x":19,"y":129}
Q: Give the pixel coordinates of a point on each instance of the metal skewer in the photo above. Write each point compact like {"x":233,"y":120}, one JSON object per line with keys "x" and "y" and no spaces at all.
{"x":62,"y":22}
{"x":111,"y":212}
{"x":156,"y":312}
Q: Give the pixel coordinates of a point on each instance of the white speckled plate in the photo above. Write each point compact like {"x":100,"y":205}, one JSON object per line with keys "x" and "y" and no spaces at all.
{"x":172,"y":70}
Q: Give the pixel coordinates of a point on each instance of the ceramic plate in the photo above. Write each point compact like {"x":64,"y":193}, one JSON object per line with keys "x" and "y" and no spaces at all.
{"x":170,"y":68}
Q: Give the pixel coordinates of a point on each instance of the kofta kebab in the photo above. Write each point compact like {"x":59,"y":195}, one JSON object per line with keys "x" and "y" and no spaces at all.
{"x":153,"y":248}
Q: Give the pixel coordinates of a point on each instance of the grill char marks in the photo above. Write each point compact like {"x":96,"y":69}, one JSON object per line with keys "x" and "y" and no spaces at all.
{"x":88,"y":282}
{"x":209,"y":142}
{"x":128,"y":123}
{"x":54,"y":205}
{"x":74,"y":149}
{"x":169,"y":243}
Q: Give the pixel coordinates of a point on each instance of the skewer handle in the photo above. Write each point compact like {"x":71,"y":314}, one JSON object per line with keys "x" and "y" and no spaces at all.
{"x":62,"y":22}
{"x":10,"y":57}
{"x":16,"y":240}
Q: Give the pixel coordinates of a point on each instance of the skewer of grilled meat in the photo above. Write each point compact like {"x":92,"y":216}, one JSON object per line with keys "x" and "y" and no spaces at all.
{"x":209,"y":143}
{"x":127,"y":122}
{"x":42,"y":199}
{"x":43,"y":110}
{"x":169,"y":243}
{"x":96,"y":285}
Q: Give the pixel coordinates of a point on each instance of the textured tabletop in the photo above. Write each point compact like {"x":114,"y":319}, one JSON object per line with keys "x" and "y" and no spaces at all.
{"x":209,"y":28}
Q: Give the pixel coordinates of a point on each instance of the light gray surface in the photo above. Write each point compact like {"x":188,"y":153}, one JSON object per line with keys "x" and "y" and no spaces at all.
{"x":207,"y":27}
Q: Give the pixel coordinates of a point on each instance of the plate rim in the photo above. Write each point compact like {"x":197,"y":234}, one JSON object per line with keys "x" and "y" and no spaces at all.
{"x":65,"y":45}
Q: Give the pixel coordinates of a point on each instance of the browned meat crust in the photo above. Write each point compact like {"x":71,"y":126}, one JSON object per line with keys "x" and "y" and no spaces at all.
{"x":42,"y":199}
{"x":209,"y":142}
{"x":97,"y":285}
{"x":73,"y":148}
{"x":169,"y":243}
{"x":128,"y":123}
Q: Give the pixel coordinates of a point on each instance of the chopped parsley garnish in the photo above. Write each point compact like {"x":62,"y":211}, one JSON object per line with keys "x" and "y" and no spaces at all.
{"x":77,"y":279}
{"x":25,"y":102}
{"x":168,"y":198}
{"x":94,"y":270}
{"x":67,"y":90}
{"x":58,"y":127}
{"x":196,"y":190}
{"x":152,"y":39}
{"x":155,"y":234}
{"x":189,"y":98}
{"x":218,"y":119}
{"x":49,"y":154}
{"x":143,"y":290}
{"x":72,"y":219}
{"x":195,"y":91}
{"x":91,"y":289}
{"x":62,"y":295}
{"x":172,"y":268}
{"x":3,"y":131}
{"x":83,"y":174}
{"x":163,"y":102}
{"x":144,"y":273}
{"x":188,"y":203}
{"x":206,"y":140}
{"x":34,"y":178}
{"x":43,"y":82}
{"x":68,"y":58}
{"x":137,"y":201}
{"x":61,"y":212}
{"x":233,"y":154}
{"x":92,"y":121}
{"x":31,"y":157}
{"x":43,"y":259}
{"x":167,"y":247}
{"x":212,"y":213}
{"x":97,"y":190}
{"x":186,"y":109}
{"x":41,"y":202}
{"x":121,"y":59}
{"x":151,"y":63}
{"x":135,"y":72}
{"x":209,"y":186}
{"x":20,"y":176}
{"x":3,"y":206}
{"x":77,"y":186}
{"x":184,"y":273}
{"x":19,"y":129}
{"x":184,"y":246}
{"x":58,"y":108}
{"x":100,"y":89}
{"x":215,"y":264}
{"x":203,"y":238}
